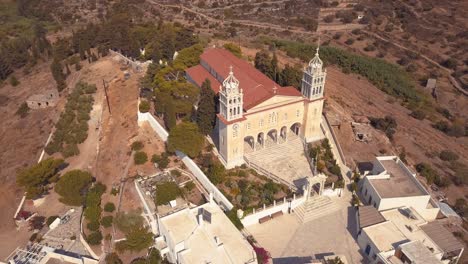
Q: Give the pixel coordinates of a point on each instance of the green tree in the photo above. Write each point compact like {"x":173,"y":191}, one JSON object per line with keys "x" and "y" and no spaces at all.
{"x":140,"y":157}
{"x":290,"y":76}
{"x":136,"y":240}
{"x":263,"y":63}
{"x":137,"y":145}
{"x":234,"y":49}
{"x":166,"y":192}
{"x":216,"y":173}
{"x":58,"y":75}
{"x":106,"y":221}
{"x":170,"y":116}
{"x":187,"y":138}
{"x":72,"y":186}
{"x":35,"y":178}
{"x":144,"y":106}
{"x":109,"y":207}
{"x":206,"y":111}
{"x":113,"y":258}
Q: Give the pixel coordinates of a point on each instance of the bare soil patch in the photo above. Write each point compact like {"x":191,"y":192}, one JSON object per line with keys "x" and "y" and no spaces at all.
{"x":350,"y":95}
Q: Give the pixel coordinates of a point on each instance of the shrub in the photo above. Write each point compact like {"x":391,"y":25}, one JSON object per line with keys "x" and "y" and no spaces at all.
{"x":234,"y":49}
{"x":428,"y":172}
{"x":349,"y":41}
{"x":113,"y":258}
{"x":162,"y":161}
{"x":232,"y":215}
{"x":51,"y":219}
{"x":93,"y":226}
{"x":189,"y":186}
{"x":387,"y":124}
{"x":166,"y":192}
{"x":144,"y":106}
{"x":72,"y":185}
{"x":23,"y":110}
{"x":106,"y":221}
{"x":447,"y":155}
{"x":136,"y":240}
{"x":418,"y":114}
{"x":94,"y":238}
{"x":14,"y":81}
{"x":126,"y":221}
{"x":109,"y":207}
{"x":140,"y":158}
{"x":137,"y":146}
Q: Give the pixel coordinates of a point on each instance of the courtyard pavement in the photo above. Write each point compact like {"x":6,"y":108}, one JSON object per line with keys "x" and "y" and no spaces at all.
{"x":289,"y":241}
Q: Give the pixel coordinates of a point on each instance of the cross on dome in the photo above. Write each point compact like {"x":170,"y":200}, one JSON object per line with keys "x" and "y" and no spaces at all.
{"x":231,"y":81}
{"x":316,"y":62}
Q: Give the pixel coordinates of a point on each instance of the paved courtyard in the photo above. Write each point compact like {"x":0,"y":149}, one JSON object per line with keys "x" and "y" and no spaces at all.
{"x":288,"y":241}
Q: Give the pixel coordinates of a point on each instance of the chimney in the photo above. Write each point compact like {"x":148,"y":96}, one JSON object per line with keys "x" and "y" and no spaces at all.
{"x":211,"y":198}
{"x":200,"y":220}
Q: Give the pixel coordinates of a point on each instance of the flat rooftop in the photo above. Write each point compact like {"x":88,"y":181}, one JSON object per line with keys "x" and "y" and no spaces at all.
{"x":400,"y":183}
{"x":409,"y":222}
{"x":216,"y":240}
{"x":442,"y":237}
{"x":417,"y":252}
{"x":385,"y":236}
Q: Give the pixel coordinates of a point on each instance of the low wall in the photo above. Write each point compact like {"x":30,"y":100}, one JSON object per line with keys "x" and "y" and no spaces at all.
{"x":203,"y":179}
{"x":162,"y":133}
{"x":283,"y":206}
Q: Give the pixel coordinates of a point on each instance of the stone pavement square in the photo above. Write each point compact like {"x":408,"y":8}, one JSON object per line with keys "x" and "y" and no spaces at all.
{"x":288,"y":241}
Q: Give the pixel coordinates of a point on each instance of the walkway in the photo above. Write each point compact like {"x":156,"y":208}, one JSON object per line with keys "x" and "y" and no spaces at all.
{"x":294,"y":242}
{"x":287,"y":161}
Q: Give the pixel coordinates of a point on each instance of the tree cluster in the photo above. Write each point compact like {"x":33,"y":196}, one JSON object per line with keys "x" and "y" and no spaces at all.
{"x":36,"y":178}
{"x":187,"y":138}
{"x":72,"y":126}
{"x":288,"y":76}
{"x":72,"y":187}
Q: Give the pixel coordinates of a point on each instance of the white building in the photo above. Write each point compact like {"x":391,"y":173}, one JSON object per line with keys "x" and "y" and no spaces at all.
{"x":401,"y":235}
{"x":203,"y":234}
{"x":390,"y":184}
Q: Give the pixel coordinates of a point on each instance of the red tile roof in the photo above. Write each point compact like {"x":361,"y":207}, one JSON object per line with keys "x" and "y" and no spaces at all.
{"x":256,"y":86}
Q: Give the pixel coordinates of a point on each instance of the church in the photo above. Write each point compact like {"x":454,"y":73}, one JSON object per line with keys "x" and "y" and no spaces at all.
{"x":254,"y":111}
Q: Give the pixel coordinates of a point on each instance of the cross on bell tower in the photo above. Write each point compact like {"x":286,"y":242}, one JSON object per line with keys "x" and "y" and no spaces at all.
{"x":313,"y":79}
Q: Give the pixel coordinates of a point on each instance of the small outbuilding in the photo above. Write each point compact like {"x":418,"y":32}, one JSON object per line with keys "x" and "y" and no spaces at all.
{"x":47,"y":99}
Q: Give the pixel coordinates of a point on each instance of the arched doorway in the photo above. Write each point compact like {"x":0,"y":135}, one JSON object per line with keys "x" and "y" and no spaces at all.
{"x":272,"y":137}
{"x":296,"y":128}
{"x":316,"y":189}
{"x":249,"y":144}
{"x":283,"y":134}
{"x":260,"y":140}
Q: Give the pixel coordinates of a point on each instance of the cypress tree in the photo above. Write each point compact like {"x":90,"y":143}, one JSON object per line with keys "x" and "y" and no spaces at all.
{"x":170,"y":116}
{"x":206,"y":112}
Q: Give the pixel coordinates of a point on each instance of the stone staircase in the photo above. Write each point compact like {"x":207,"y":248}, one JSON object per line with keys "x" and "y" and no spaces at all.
{"x":286,"y":160}
{"x":315,"y":207}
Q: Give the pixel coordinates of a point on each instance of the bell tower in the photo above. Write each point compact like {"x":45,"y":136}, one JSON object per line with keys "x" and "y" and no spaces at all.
{"x":312,"y":88}
{"x":313,"y":79}
{"x":231,"y":100}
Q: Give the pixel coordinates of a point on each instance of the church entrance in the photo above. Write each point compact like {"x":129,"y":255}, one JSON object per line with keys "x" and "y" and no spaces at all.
{"x":296,"y":128}
{"x":249,"y":144}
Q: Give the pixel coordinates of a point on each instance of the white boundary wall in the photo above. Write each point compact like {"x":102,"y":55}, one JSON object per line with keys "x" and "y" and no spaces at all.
{"x":162,"y":133}
{"x":253,"y":218}
{"x":210,"y":187}
{"x":201,"y":177}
